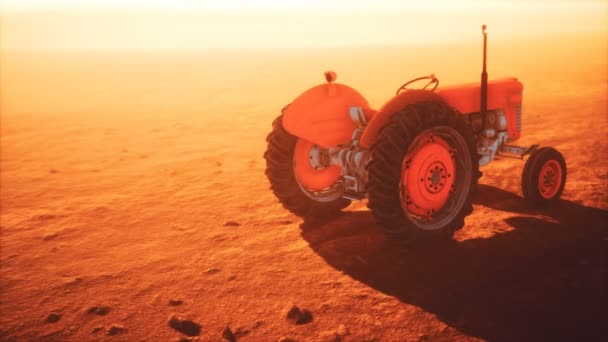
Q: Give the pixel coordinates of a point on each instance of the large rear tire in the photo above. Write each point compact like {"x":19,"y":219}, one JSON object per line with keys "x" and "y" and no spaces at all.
{"x":293,"y":196}
{"x":423,"y":172}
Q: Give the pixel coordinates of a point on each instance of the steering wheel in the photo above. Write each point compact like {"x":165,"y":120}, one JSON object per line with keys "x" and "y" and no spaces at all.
{"x":434,"y":82}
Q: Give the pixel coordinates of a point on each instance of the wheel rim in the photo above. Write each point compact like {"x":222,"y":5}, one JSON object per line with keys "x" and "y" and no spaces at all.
{"x":550,"y":179}
{"x":321,"y":184}
{"x":435,"y":177}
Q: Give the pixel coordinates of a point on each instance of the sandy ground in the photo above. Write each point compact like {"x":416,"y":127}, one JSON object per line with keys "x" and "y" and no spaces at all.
{"x":133,"y":188}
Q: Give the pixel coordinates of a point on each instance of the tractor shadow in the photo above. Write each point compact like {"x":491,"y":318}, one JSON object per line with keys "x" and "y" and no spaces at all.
{"x":544,"y":280}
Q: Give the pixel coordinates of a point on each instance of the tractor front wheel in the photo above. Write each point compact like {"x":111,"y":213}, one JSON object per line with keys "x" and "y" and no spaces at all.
{"x":544,"y":176}
{"x":423,"y":172}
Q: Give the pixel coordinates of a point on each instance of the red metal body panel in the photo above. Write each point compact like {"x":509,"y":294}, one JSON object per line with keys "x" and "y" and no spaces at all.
{"x":321,"y":114}
{"x":505,"y":94}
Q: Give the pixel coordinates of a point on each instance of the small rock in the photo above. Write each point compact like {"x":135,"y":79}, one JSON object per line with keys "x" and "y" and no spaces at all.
{"x":422,"y":337}
{"x":232,"y":224}
{"x":184,"y":325}
{"x":97,"y":329}
{"x":73,"y":281}
{"x":175,"y":302}
{"x":53,"y":317}
{"x":231,"y":277}
{"x":99,"y":310}
{"x":324,"y":307}
{"x":241,"y":331}
{"x":115,"y":329}
{"x":330,"y":336}
{"x":298,"y":316}
{"x":187,"y":339}
{"x":53,"y":171}
{"x":286,"y":339}
{"x":228,"y":335}
{"x":342,"y":330}
{"x":49,"y":236}
{"x":212,"y":270}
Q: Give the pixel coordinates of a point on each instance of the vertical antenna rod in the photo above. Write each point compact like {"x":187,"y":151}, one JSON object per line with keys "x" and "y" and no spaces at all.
{"x":484,"y":80}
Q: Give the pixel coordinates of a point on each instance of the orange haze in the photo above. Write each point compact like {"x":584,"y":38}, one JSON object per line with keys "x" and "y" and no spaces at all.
{"x":132,"y":181}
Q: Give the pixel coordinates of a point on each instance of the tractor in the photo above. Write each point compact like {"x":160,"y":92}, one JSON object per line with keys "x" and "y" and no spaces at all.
{"x":416,"y":159}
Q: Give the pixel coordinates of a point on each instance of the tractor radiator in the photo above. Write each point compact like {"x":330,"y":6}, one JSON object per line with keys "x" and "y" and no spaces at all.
{"x":518,"y":118}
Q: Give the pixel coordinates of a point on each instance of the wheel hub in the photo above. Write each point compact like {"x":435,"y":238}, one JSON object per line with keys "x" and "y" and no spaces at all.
{"x":549,"y":179}
{"x":436,"y":176}
{"x":428,"y":175}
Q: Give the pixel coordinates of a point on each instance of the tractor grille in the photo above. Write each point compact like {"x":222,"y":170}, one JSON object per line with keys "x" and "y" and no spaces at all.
{"x":518,"y":118}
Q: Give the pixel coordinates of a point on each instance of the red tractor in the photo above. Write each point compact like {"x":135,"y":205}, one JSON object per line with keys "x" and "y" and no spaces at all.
{"x":416,"y":158}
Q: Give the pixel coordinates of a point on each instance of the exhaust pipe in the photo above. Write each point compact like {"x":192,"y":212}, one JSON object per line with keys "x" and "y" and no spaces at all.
{"x":484,"y":81}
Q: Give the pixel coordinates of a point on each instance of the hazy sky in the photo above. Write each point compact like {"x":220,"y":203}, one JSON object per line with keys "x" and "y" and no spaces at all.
{"x":278,"y":5}
{"x":295,"y":23}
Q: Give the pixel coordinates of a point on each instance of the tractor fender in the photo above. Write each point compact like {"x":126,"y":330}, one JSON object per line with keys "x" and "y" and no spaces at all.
{"x":321,"y":114}
{"x":383,"y":115}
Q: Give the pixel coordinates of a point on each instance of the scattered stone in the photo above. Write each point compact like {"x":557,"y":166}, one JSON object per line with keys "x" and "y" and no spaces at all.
{"x":49,"y":236}
{"x":324,"y":307}
{"x":330,"y":336}
{"x":232,"y":224}
{"x":187,"y":339}
{"x":228,"y":335}
{"x":212,"y":270}
{"x":73,"y":281}
{"x":175,"y":302}
{"x":97,"y":329}
{"x":298,"y":316}
{"x":99,"y":310}
{"x":286,"y":339}
{"x":116,"y":329}
{"x":422,"y":337}
{"x":335,"y":335}
{"x":342,"y":330}
{"x":184,"y":325}
{"x":51,"y":333}
{"x":241,"y":331}
{"x":53,"y":317}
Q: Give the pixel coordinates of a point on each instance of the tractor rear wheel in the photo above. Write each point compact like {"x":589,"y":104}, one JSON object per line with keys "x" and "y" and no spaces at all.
{"x":423,"y":172}
{"x":283,"y":150}
{"x":544,"y":176}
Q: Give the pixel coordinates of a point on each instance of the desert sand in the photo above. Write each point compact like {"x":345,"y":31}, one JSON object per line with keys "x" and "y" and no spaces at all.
{"x":133,"y":189}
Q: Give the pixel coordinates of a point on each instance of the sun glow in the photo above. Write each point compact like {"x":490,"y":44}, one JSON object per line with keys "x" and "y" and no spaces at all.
{"x":346,"y":6}
{"x":287,"y":23}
